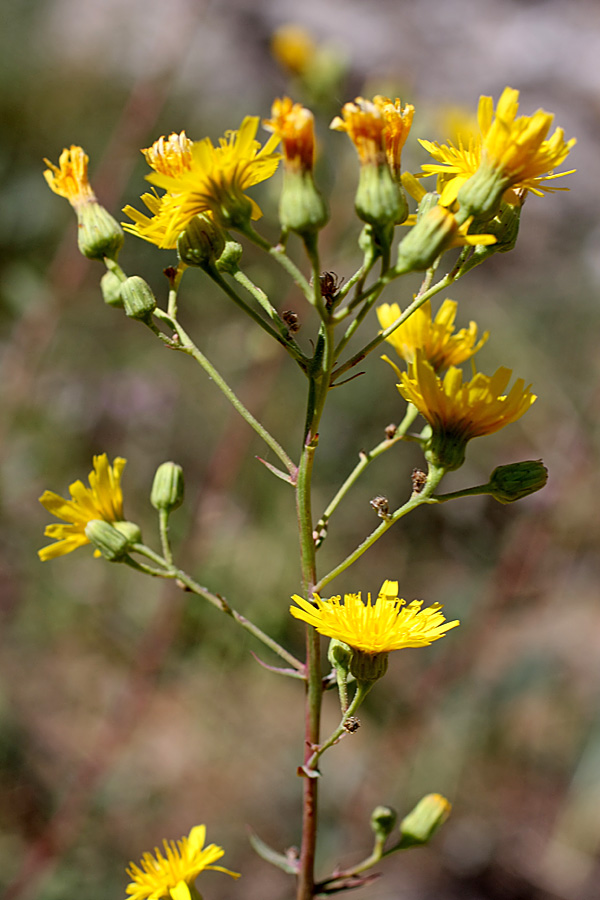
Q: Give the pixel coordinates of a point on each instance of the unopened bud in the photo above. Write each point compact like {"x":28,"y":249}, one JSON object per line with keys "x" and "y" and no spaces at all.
{"x":110,"y":285}
{"x":419,"y":826}
{"x":367,"y":667}
{"x":98,"y":235}
{"x":301,"y":207}
{"x":517,"y":480}
{"x":108,"y":540}
{"x":138,"y":299}
{"x":202,"y":242}
{"x":339,"y":655}
{"x":167,"y":487}
{"x":431,"y":235}
{"x":229,"y":259}
{"x":383,"y":822}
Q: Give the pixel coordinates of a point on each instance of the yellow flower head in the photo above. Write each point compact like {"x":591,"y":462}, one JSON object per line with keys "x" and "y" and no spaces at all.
{"x":102,"y":500}
{"x":203,"y":179}
{"x":517,"y":150}
{"x":70,"y":179}
{"x":294,"y":126}
{"x":293,"y":47}
{"x":365,"y":125}
{"x":458,"y":412}
{"x":398,"y":120}
{"x":378,"y":627}
{"x":435,"y":337}
{"x":170,"y":156}
{"x":171,"y":875}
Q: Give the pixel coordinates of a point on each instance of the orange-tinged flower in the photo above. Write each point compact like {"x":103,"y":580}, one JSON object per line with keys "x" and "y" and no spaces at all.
{"x":293,"y":124}
{"x":398,"y":121}
{"x":365,"y":124}
{"x":70,"y":178}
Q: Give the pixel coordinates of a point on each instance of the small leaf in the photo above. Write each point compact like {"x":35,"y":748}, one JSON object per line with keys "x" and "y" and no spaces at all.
{"x":285,"y":862}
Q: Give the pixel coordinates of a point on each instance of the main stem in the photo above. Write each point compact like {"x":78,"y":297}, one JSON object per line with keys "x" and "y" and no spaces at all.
{"x":319,"y":388}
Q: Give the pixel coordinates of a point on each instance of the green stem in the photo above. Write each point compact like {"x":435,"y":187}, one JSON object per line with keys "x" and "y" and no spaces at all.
{"x":186,"y":345}
{"x":172,"y":571}
{"x":425,"y":496}
{"x":290,"y":346}
{"x":278,"y":253}
{"x":262,"y":299}
{"x":419,"y":300}
{"x":362,"y":689}
{"x":364,"y":461}
{"x":163,"y":527}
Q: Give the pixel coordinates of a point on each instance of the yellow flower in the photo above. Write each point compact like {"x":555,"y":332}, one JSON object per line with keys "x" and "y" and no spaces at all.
{"x":170,"y":156}
{"x":293,"y":47}
{"x":70,"y":178}
{"x":374,"y":628}
{"x":515,"y":149}
{"x":102,"y":500}
{"x":398,"y":120}
{"x":365,"y":124}
{"x":172,"y":875}
{"x":458,"y":412}
{"x":202,"y":178}
{"x":294,"y":126}
{"x":98,"y":235}
{"x":434,"y":337}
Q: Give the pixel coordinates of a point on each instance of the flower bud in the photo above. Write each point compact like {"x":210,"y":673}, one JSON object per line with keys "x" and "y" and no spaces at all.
{"x":229,"y":259}
{"x":110,"y":541}
{"x":167,"y":487}
{"x":419,"y":826}
{"x":432,"y":234}
{"x":98,"y":235}
{"x":517,"y":480}
{"x":301,"y":207}
{"x":110,"y":285}
{"x":138,"y":299}
{"x":339,"y":655}
{"x":480,"y":196}
{"x":383,"y":822}
{"x":379,"y":200}
{"x":202,"y":242}
{"x":368,"y":667}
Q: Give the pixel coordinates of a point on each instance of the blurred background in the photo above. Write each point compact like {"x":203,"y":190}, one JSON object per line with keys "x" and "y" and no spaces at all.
{"x":130,"y":712}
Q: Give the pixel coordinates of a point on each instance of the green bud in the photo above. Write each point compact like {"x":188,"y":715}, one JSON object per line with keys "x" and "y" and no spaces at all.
{"x":428,"y":201}
{"x":98,"y":235}
{"x":368,"y":666}
{"x":130,"y":530}
{"x":110,"y":285}
{"x":202,"y":242}
{"x":432,"y":234}
{"x":167,"y":487}
{"x":383,"y":822}
{"x":112,"y":544}
{"x":517,"y":480}
{"x":379,"y":200}
{"x":446,"y":450}
{"x":301,"y":207}
{"x":339,"y":655}
{"x":229,"y":259}
{"x":138,"y":299}
{"x":481,"y":195}
{"x":419,"y":826}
